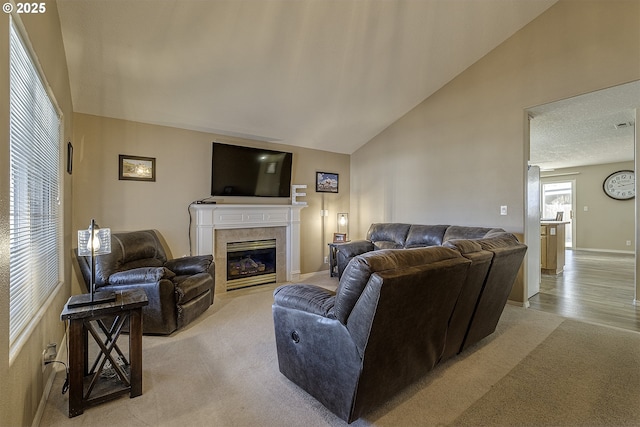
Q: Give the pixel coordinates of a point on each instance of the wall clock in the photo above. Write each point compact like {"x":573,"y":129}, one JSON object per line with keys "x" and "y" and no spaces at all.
{"x":620,"y":185}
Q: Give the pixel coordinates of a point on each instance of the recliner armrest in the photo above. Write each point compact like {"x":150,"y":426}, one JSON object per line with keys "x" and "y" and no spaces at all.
{"x":309,"y":298}
{"x":189,"y":265}
{"x":140,"y":275}
{"x":346,"y":251}
{"x":357,"y":247}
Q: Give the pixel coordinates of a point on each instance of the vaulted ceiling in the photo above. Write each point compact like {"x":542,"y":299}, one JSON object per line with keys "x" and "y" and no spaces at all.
{"x":324,"y":74}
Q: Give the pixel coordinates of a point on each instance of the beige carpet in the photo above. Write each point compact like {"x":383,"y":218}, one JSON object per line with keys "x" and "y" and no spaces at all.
{"x":222,"y":370}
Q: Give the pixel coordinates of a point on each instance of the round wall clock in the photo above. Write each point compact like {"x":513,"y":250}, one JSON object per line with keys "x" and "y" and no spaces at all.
{"x":620,"y":185}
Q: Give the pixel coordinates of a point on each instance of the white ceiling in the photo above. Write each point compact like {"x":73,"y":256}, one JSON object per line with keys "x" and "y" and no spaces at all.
{"x":589,"y":129}
{"x":324,"y":74}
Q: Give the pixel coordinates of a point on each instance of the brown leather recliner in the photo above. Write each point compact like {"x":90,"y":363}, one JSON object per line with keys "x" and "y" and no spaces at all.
{"x":179,"y":290}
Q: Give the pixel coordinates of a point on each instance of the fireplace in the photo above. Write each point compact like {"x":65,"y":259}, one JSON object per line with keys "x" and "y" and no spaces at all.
{"x":251,"y":263}
{"x":215,"y":225}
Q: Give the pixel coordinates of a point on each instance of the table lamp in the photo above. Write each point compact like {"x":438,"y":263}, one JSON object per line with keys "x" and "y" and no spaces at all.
{"x":92,"y":242}
{"x":343,"y":224}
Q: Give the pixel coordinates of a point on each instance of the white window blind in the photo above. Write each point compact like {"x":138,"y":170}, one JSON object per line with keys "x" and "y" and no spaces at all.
{"x":35,"y":223}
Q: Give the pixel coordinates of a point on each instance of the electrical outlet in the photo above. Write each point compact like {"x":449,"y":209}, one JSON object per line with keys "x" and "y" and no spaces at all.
{"x":326,"y":260}
{"x":628,"y":242}
{"x":49,"y":354}
{"x":503,"y":210}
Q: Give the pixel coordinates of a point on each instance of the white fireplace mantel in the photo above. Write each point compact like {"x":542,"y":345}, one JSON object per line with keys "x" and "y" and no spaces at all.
{"x":206,"y":218}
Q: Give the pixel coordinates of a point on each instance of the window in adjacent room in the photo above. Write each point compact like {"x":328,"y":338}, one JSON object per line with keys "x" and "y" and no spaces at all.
{"x":35,"y":176}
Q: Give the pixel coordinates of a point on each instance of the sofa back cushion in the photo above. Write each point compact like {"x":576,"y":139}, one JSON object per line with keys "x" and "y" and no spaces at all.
{"x":425,"y":235}
{"x":508,"y":254}
{"x":356,"y":276}
{"x":130,"y":250}
{"x":388,"y":235}
{"x":463,"y":232}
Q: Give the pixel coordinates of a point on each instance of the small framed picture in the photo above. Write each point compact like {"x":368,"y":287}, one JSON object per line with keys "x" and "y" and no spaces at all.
{"x":137,"y":168}
{"x":339,"y":237}
{"x":326,"y":182}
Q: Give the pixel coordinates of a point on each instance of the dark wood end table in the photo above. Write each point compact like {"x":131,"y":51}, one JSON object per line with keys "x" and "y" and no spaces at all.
{"x":333,"y":257}
{"x":104,"y":322}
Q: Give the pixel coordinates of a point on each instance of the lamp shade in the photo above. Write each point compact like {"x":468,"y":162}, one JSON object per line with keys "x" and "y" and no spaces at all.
{"x":92,"y":242}
{"x":98,"y":239}
{"x":343,"y":223}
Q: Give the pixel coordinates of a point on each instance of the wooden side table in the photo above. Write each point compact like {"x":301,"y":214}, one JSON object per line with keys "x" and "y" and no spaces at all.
{"x":104,"y":322}
{"x":333,"y":258}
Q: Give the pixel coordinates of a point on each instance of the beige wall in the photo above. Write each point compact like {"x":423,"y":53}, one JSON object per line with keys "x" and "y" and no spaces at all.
{"x":607,"y":224}
{"x":461,"y":153}
{"x":22,"y":381}
{"x":183,"y":162}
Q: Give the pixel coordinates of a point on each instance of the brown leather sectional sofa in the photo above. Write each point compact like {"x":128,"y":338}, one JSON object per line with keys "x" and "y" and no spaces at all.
{"x":395,"y":315}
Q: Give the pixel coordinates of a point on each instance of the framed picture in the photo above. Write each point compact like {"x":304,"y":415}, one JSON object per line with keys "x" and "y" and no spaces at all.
{"x":69,"y":158}
{"x":339,"y":237}
{"x":137,"y":168}
{"x":326,"y":182}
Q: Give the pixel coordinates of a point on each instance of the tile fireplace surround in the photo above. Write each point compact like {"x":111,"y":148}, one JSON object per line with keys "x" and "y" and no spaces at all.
{"x":214,"y":225}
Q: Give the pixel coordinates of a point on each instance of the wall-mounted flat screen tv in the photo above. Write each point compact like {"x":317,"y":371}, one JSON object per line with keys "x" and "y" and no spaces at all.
{"x":247,"y":171}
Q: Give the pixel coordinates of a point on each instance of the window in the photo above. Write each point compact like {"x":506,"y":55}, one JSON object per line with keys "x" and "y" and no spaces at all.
{"x":35,"y":211}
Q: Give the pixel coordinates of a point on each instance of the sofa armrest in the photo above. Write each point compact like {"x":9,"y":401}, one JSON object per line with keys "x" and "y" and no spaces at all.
{"x":354,"y":248}
{"x":189,"y":265}
{"x":140,"y":275}
{"x":346,"y":251}
{"x":309,"y":298}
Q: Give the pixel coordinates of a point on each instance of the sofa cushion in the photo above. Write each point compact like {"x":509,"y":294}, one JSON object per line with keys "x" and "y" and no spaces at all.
{"x":425,"y":235}
{"x":388,"y":235}
{"x":356,"y":276}
{"x":463,"y":232}
{"x":385,"y":244}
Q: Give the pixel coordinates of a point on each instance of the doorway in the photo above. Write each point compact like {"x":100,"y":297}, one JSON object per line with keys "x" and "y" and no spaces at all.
{"x":576,"y":134}
{"x":558,"y":204}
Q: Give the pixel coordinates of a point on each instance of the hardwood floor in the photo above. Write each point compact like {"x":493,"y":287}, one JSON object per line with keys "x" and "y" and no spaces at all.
{"x":595,"y":286}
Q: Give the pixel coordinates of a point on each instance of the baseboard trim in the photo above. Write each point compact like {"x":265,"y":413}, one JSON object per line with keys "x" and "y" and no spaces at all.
{"x":306,"y":276}
{"x":524,"y":304}
{"x":611,"y":251}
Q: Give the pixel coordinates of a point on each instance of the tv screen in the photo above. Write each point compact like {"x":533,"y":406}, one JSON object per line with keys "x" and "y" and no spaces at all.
{"x":246,"y":171}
